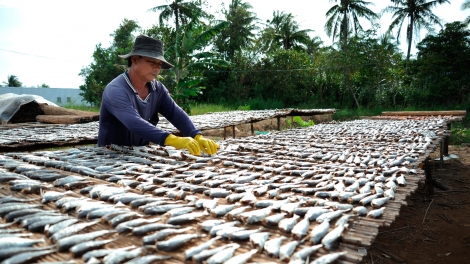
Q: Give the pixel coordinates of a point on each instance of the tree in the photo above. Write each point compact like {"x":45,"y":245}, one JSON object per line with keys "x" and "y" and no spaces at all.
{"x":283,"y":32}
{"x":466,"y":5}
{"x":106,"y":64}
{"x":188,"y":53}
{"x":43,"y":86}
{"x":440,"y":72}
{"x":181,"y":11}
{"x":12,"y":81}
{"x":418,"y":14}
{"x":344,"y":17}
{"x":239,"y":34}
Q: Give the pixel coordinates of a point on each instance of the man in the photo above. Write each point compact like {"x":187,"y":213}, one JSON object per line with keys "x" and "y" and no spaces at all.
{"x":131,"y":103}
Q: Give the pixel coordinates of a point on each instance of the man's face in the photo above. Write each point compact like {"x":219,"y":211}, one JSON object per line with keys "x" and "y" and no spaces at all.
{"x":147,"y":68}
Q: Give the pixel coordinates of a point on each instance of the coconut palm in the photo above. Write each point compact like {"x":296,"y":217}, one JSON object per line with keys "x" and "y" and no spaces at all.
{"x":466,"y":5}
{"x":181,"y":10}
{"x":13,"y":81}
{"x":284,"y":31}
{"x":418,"y":14}
{"x":343,"y":18}
{"x":240,"y":32}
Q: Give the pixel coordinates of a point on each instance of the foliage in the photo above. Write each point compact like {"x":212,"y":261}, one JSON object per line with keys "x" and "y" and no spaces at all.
{"x":200,"y":109}
{"x":418,"y":14}
{"x":344,"y":18}
{"x":12,"y":81}
{"x":297,"y":121}
{"x":182,"y":12}
{"x":43,"y":86}
{"x":190,"y":59}
{"x":465,"y":6}
{"x":82,"y":107}
{"x":459,"y":134}
{"x":283,"y":32}
{"x":106,"y":64}
{"x":442,"y":68}
{"x":239,"y":34}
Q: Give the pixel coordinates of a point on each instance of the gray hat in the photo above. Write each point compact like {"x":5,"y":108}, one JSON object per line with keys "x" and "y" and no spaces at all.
{"x":148,"y":47}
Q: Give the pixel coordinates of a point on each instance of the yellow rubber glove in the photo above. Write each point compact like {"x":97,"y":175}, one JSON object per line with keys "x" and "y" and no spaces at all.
{"x":183,"y":142}
{"x":206,"y":145}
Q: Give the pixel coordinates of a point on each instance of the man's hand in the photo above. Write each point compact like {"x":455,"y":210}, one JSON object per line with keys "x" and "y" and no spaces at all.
{"x":206,"y":145}
{"x":183,"y":142}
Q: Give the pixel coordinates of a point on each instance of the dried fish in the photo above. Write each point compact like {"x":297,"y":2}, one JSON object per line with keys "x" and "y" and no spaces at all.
{"x":199,"y":248}
{"x":144,"y":229}
{"x":86,"y":246}
{"x":213,"y":231}
{"x":332,"y":237}
{"x":223,"y":255}
{"x":27,"y":257}
{"x":205,"y":254}
{"x":286,"y":250}
{"x":186,"y":218}
{"x":318,"y":232}
{"x":242,"y":258}
{"x":120,"y":256}
{"x":300,"y":230}
{"x":243,"y":234}
{"x":70,"y":230}
{"x":65,"y":243}
{"x":11,"y":242}
{"x":272,"y":246}
{"x":287,"y":224}
{"x":162,"y":234}
{"x":148,"y":259}
{"x":328,"y":258}
{"x":177,"y":241}
{"x":376,"y":213}
{"x":273,"y":220}
{"x":254,"y":216}
{"x":129,"y":225}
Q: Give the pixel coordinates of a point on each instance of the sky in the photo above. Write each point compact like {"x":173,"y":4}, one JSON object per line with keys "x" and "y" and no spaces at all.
{"x":50,"y":41}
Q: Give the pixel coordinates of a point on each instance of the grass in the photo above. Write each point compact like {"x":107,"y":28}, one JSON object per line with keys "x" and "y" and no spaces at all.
{"x":200,"y":109}
{"x":82,"y":107}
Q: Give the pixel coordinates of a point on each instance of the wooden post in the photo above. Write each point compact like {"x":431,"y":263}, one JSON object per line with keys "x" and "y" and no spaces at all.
{"x":252,"y":129}
{"x":278,"y":123}
{"x":446,"y":141}
{"x":429,"y":181}
{"x":291,"y":121}
{"x":233,"y":131}
{"x":225,"y":133}
{"x":441,"y":154}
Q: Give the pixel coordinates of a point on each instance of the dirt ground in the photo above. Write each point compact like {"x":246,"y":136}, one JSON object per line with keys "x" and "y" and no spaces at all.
{"x":432,"y":228}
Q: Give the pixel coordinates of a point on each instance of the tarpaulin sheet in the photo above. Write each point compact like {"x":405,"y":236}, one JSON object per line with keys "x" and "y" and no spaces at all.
{"x":10,"y":103}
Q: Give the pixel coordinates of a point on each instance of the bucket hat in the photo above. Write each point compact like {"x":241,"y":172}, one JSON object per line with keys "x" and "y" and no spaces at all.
{"x":148,"y":47}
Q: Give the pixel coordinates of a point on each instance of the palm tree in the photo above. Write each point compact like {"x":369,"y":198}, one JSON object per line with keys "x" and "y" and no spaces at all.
{"x":344,"y":17}
{"x":239,"y":33}
{"x":466,"y":5}
{"x":181,"y":10}
{"x":418,"y":14}
{"x":284,"y":32}
{"x":13,"y":81}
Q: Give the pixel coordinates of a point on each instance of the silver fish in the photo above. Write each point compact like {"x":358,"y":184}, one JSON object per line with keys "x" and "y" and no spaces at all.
{"x":205,"y":254}
{"x":356,"y":198}
{"x":224,"y":233}
{"x":233,"y":214}
{"x":300,"y":230}
{"x":144,"y":229}
{"x":27,"y":257}
{"x":52,"y":196}
{"x":332,"y":237}
{"x":254,"y":216}
{"x":304,"y":253}
{"x":222,"y":210}
{"x":389,"y":193}
{"x":10,"y":242}
{"x":286,"y":250}
{"x":234,"y":197}
{"x":199,"y":248}
{"x":99,"y":253}
{"x":148,"y":259}
{"x":83,"y":247}
{"x":177,"y":241}
{"x":52,"y":229}
{"x":179,"y":211}
{"x":209,"y":224}
{"x":129,"y":225}
{"x":314,"y":212}
{"x":273,"y":220}
{"x":328,"y":258}
{"x":243,"y":234}
{"x":70,"y":230}
{"x":162,"y":234}
{"x":366,"y":200}
{"x":217,"y":228}
{"x":223,"y":255}
{"x":186,"y":218}
{"x":260,"y":190}
{"x":242,"y":258}
{"x":360,"y":210}
{"x":272,"y":246}
{"x":379,"y":202}
{"x":258,"y":240}
{"x":376,"y":213}
{"x":68,"y":242}
{"x":120,"y":256}
{"x":318,"y":232}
